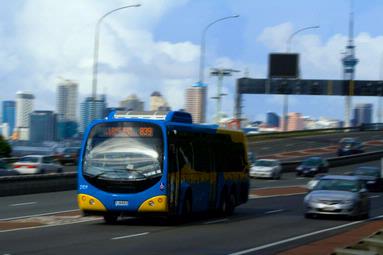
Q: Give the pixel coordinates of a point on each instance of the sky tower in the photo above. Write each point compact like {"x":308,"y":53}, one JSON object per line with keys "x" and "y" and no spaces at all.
{"x":349,"y":62}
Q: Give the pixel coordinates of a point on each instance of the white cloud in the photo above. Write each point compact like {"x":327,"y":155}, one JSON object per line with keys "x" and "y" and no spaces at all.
{"x":56,"y":39}
{"x":322,"y":59}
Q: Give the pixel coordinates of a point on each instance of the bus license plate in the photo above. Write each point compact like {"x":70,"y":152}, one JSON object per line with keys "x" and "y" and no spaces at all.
{"x":121,"y":203}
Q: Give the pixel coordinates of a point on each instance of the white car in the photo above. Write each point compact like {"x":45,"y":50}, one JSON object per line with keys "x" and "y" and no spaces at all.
{"x":37,"y":164}
{"x":266,"y":168}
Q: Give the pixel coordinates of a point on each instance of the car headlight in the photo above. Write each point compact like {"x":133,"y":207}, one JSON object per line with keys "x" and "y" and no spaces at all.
{"x":299,"y":168}
{"x":313,"y":169}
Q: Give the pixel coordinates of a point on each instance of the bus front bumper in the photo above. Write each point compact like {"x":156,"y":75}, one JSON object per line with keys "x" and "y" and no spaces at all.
{"x":89,"y":204}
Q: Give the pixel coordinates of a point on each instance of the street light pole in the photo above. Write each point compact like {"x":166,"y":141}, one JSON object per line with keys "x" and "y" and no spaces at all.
{"x":202,"y":46}
{"x":286,"y":97}
{"x":95,"y":52}
{"x":288,"y":47}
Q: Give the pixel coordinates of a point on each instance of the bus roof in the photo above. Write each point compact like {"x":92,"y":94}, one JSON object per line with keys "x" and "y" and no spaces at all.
{"x":178,"y":118}
{"x":172,"y":116}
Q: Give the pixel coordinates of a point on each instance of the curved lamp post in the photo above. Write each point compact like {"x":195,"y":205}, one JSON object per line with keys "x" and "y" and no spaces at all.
{"x":96,"y":44}
{"x":285,"y":100}
{"x":202,"y":46}
{"x":296,"y":32}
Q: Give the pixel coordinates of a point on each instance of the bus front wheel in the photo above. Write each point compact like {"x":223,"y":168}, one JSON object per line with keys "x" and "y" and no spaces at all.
{"x":110,"y":218}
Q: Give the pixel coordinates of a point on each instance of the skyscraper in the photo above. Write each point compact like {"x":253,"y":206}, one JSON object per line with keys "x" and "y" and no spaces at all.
{"x":67,"y":99}
{"x":132,"y":103}
{"x":362,"y":114}
{"x":196,"y":102}
{"x":24,"y":106}
{"x":158,"y":102}
{"x":43,"y":126}
{"x":272,"y":119}
{"x":9,"y":115}
{"x":294,"y":122}
{"x":88,"y":106}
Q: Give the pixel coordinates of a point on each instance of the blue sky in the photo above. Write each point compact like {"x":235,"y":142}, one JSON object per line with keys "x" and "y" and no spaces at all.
{"x":156,"y":47}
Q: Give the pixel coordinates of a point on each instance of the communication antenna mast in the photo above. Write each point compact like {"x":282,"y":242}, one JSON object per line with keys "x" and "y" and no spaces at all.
{"x":220,"y":73}
{"x":349,"y":62}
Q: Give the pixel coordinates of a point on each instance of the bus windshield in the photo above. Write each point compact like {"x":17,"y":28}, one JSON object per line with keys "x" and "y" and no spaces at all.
{"x":130,"y":151}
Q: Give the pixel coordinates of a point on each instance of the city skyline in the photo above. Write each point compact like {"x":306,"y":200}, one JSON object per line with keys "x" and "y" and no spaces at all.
{"x":138,"y":56}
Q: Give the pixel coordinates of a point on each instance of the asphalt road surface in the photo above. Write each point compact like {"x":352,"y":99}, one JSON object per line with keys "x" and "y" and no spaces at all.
{"x":34,"y":204}
{"x":262,"y":226}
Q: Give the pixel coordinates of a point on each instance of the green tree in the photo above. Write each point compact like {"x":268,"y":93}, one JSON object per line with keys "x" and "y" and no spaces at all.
{"x":5,"y":148}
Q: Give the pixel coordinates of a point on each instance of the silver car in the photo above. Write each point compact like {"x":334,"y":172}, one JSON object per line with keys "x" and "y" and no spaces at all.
{"x":338,"y":195}
{"x":266,"y":168}
{"x":37,"y":164}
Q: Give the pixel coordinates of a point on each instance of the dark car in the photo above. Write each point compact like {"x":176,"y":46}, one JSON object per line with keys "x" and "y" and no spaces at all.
{"x":371,"y":176}
{"x":312,"y":166}
{"x":69,"y":155}
{"x":349,"y":146}
{"x":6,"y":169}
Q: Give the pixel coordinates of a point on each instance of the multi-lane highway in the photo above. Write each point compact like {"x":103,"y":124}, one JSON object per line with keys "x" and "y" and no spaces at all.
{"x":301,"y":147}
{"x":265,"y":225}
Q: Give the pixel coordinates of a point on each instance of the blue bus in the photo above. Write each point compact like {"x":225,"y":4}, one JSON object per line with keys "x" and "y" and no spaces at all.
{"x":137,"y":164}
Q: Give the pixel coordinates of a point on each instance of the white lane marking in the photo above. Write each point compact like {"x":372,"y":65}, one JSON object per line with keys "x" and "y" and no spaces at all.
{"x":280,"y":187}
{"x":216,"y":221}
{"x":275,"y":211}
{"x":265,"y":148}
{"x":48,"y":226}
{"x":129,"y":236}
{"x":301,"y":236}
{"x":299,"y":178}
{"x":283,"y":195}
{"x":375,"y":196}
{"x":26,"y":203}
{"x":37,"y":215}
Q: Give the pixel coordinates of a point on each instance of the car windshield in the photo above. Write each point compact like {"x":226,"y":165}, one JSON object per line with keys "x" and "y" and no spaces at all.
{"x":338,"y":184}
{"x":367,"y":171}
{"x":124,"y":150}
{"x":29,"y":159}
{"x":311,"y":162}
{"x":348,"y":141}
{"x":71,"y":150}
{"x":264,"y":163}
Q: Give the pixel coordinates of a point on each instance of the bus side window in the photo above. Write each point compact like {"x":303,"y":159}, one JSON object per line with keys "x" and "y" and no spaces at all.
{"x":185,"y":155}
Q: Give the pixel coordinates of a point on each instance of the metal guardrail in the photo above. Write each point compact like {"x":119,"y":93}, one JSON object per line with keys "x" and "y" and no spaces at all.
{"x":372,"y":245}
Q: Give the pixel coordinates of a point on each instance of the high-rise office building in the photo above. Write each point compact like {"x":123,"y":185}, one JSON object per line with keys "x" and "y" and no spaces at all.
{"x":132,"y":103}
{"x":362,"y":114}
{"x":196,"y":102}
{"x":91,"y":109}
{"x":66,"y":129}
{"x":9,"y":115}
{"x":272,"y":119}
{"x":158,"y":102}
{"x":43,"y":126}
{"x":67,"y":100}
{"x":24,"y":107}
{"x":295,"y":122}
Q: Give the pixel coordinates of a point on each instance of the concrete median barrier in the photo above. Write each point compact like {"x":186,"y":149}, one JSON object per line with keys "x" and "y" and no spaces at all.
{"x":39,"y":183}
{"x":290,"y":166}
